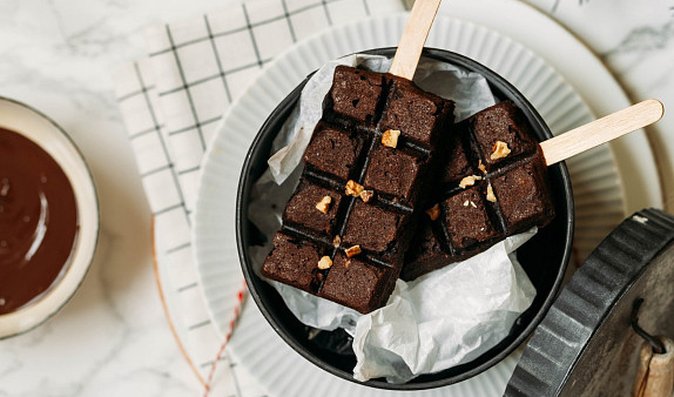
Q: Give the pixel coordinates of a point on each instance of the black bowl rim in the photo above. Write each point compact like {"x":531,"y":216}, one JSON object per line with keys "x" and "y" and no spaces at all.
{"x":244,"y":181}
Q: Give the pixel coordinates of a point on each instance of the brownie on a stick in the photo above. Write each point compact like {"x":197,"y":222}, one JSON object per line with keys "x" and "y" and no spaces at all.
{"x":348,"y":225}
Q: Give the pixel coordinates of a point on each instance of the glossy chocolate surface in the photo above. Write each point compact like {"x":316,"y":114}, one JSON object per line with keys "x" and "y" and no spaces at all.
{"x":38,"y":220}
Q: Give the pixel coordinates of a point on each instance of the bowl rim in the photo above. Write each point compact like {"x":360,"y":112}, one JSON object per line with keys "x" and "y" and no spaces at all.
{"x":245,"y":181}
{"x":85,"y":246}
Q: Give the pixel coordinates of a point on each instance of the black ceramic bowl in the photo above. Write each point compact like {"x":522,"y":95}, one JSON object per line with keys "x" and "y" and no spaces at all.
{"x":544,"y":257}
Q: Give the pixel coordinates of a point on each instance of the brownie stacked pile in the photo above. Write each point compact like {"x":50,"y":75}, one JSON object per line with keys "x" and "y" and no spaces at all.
{"x":493,"y":185}
{"x":348,"y":225}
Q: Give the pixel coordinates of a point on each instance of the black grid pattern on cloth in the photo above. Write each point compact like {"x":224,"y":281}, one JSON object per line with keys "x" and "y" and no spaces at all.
{"x":150,"y":91}
{"x":162,"y":153}
{"x":147,"y":112}
{"x":251,"y":26}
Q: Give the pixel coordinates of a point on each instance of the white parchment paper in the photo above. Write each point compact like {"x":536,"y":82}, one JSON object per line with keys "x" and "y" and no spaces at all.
{"x":444,"y":318}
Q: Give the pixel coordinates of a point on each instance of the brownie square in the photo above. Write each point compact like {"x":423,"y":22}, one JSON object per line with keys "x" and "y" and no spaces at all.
{"x":373,"y":228}
{"x":417,"y":114}
{"x":333,"y":151}
{"x":426,"y":252}
{"x":301,"y":209}
{"x":294,"y":262}
{"x":357,"y":284}
{"x":394,"y":172}
{"x":458,"y":165}
{"x":502,"y":122}
{"x":523,"y":196}
{"x":355,"y":93}
{"x":467,"y":220}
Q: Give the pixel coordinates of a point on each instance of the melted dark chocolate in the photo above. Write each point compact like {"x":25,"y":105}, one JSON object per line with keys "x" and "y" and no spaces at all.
{"x":38,"y":220}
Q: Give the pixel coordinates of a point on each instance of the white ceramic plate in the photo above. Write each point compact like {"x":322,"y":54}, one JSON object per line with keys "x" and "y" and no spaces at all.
{"x":40,"y":129}
{"x":600,"y":201}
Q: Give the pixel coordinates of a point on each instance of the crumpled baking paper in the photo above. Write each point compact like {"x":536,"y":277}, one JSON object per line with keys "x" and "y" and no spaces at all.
{"x":444,"y":318}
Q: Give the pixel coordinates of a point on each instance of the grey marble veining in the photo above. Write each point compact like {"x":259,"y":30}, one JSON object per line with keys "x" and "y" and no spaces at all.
{"x":642,"y":61}
{"x":112,"y":339}
{"x":636,"y":42}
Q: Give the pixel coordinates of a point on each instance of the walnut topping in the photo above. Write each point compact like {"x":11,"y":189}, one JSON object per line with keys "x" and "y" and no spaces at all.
{"x":499,"y":150}
{"x":481,"y":167}
{"x":347,"y":263}
{"x":490,"y":194}
{"x":469,"y":202}
{"x":353,"y":188}
{"x":366,"y":195}
{"x":336,"y":241}
{"x":324,"y":205}
{"x":352,"y":251}
{"x":469,"y":181}
{"x":390,"y":138}
{"x":433,"y":212}
{"x":325,"y":263}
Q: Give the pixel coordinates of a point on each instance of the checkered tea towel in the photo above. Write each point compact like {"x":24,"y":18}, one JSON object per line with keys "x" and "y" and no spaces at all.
{"x":171,"y":103}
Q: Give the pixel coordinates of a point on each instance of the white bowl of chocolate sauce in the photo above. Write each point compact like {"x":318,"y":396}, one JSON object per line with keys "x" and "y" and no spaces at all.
{"x":49,"y":218}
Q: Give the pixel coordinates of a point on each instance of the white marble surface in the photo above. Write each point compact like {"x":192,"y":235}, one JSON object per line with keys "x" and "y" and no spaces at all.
{"x":112,"y":339}
{"x":636,"y":41}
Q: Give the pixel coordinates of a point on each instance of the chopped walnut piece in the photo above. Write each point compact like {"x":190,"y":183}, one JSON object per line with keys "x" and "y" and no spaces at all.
{"x":336,"y":241}
{"x":466,"y":203}
{"x":366,"y":195}
{"x":324,"y":205}
{"x":472,"y":204}
{"x":433,"y":212}
{"x":390,"y":138}
{"x":490,"y":194}
{"x":347,"y":263}
{"x":325,"y":263}
{"x":499,"y":150}
{"x":352,"y":251}
{"x":353,"y":188}
{"x":481,"y":167}
{"x":469,"y":181}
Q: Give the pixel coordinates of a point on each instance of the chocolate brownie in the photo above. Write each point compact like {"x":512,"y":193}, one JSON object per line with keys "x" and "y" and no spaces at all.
{"x":415,"y":113}
{"x":358,"y":284}
{"x":482,"y":199}
{"x":355,"y":94}
{"x":426,"y":249}
{"x":293,"y":261}
{"x":375,"y":229}
{"x":522,"y":194}
{"x":503,"y":122}
{"x":333,"y":151}
{"x":353,"y":214}
{"x":460,"y":165}
{"x":394,"y":172}
{"x":302,"y":209}
{"x":466,"y":219}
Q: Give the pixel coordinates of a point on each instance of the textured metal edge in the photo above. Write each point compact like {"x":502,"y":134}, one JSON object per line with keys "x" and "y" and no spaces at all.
{"x":559,"y":341}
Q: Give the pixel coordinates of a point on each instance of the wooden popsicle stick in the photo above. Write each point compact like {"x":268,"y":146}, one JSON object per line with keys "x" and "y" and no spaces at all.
{"x":414,"y":37}
{"x":601,"y":131}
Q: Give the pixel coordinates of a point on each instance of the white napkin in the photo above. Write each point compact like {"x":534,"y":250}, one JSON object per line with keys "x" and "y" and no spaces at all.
{"x":171,"y":103}
{"x":445,"y":318}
